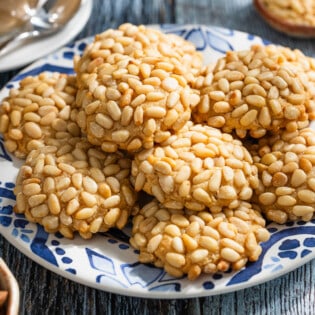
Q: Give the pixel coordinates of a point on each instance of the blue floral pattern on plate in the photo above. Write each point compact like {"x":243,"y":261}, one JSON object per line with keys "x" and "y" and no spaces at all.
{"x":108,"y":262}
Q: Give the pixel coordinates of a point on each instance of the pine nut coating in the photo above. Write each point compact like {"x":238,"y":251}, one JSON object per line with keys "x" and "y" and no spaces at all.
{"x":184,"y":172}
{"x":274,"y":92}
{"x":285,"y":193}
{"x":197,"y":245}
{"x":29,"y":120}
{"x":152,"y":81}
{"x":69,"y":196}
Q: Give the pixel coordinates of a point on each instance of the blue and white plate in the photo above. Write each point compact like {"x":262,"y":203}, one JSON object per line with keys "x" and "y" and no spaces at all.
{"x":107,"y":262}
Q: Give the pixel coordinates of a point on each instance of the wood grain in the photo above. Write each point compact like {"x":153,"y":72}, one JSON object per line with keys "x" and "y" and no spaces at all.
{"x":43,"y":292}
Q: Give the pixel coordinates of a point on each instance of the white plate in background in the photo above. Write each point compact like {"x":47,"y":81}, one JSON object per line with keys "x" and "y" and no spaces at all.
{"x":38,"y":48}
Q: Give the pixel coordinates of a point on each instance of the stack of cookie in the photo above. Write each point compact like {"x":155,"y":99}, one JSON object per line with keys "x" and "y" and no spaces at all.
{"x":218,"y":148}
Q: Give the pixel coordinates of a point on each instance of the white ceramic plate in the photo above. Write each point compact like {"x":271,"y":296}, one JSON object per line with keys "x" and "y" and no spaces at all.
{"x":37,"y":48}
{"x":107,"y":262}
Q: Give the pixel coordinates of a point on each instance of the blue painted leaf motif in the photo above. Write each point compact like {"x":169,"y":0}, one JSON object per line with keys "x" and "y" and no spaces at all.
{"x":166,"y":287}
{"x":309,"y":242}
{"x":71,"y":45}
{"x":5,"y":212}
{"x":110,"y":280}
{"x":250,"y":37}
{"x":290,"y":223}
{"x":3,"y":152}
{"x":27,"y":231}
{"x":218,"y":43}
{"x":275,"y":259}
{"x":289,"y":244}
{"x":305,"y":252}
{"x":268,"y":266}
{"x":123,"y":246}
{"x":15,"y":232}
{"x":9,"y":185}
{"x":288,"y":254}
{"x":82,"y":46}
{"x":5,"y":221}
{"x":195,"y":36}
{"x":7,"y":193}
{"x":66,"y":260}
{"x":171,"y":29}
{"x":217,"y":276}
{"x":55,"y":243}
{"x":39,"y":247}
{"x":25,"y":238}
{"x":100,"y":262}
{"x":266,"y":42}
{"x":208,"y":285}
{"x":223,"y":31}
{"x":140,"y":274}
{"x":112,"y":241}
{"x":20,"y":223}
{"x":301,"y":222}
{"x":59,"y":235}
{"x":6,"y":209}
{"x":68,"y":55}
{"x":286,"y":249}
{"x":60,"y":251}
{"x":277,"y":268}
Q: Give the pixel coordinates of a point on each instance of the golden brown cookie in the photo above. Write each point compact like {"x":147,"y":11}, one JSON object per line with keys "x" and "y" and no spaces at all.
{"x":187,"y":242}
{"x":139,"y":41}
{"x":133,"y":89}
{"x":198,"y":167}
{"x":39,"y":109}
{"x":123,"y":109}
{"x":73,"y":186}
{"x":255,"y":91}
{"x":285,"y":162}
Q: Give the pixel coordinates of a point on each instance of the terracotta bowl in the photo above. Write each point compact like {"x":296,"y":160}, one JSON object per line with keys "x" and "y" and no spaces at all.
{"x":9,"y":283}
{"x":295,"y":30}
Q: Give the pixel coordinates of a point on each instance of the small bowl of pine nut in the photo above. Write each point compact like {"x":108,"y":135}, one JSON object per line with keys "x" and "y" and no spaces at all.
{"x":293,"y":18}
{"x":9,"y":291}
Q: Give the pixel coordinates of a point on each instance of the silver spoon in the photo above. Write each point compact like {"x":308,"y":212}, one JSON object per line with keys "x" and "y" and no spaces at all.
{"x":49,"y":19}
{"x":14,"y":14}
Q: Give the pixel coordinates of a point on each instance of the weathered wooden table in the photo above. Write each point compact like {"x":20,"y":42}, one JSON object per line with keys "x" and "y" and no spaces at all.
{"x":43,"y":292}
